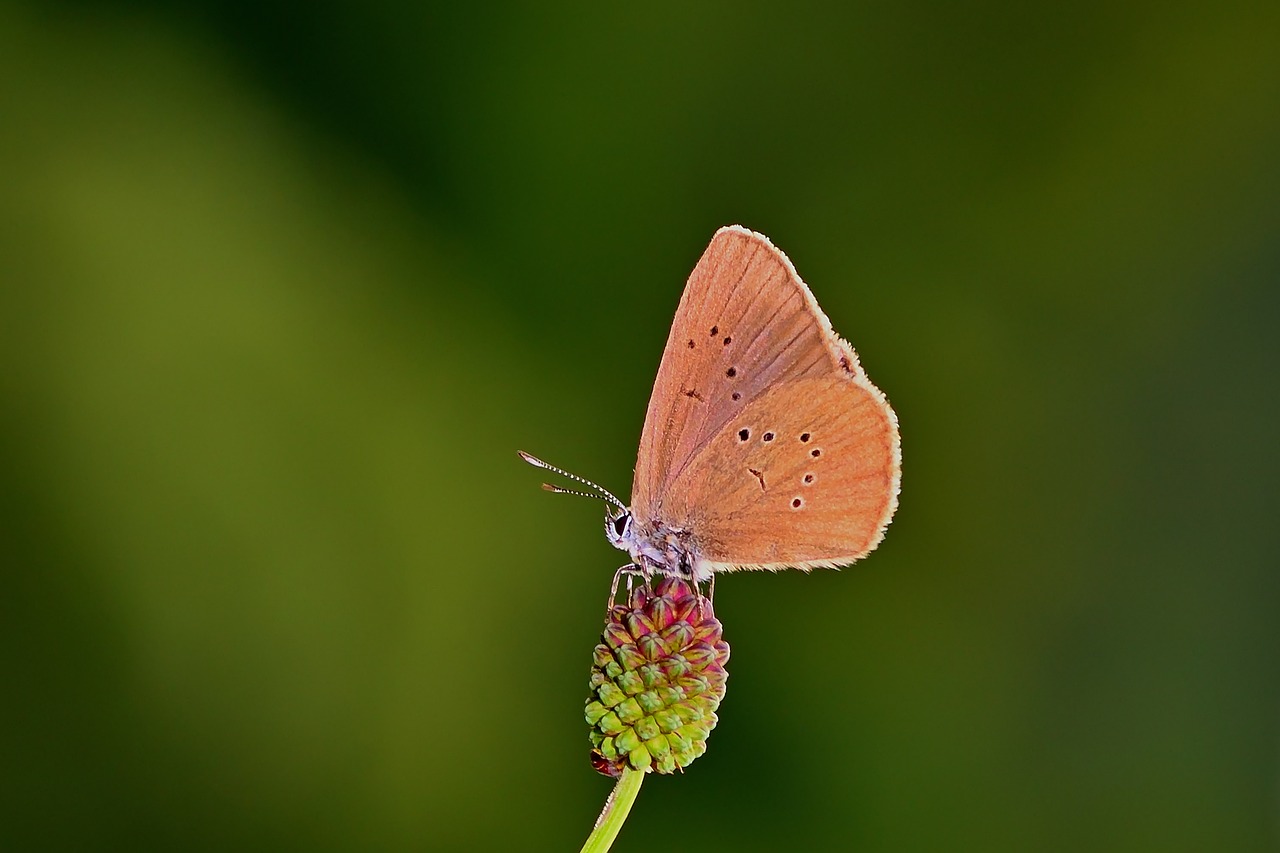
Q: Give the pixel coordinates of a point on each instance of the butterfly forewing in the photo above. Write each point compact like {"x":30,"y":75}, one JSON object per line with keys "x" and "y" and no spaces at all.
{"x":742,"y":325}
{"x":750,"y":349}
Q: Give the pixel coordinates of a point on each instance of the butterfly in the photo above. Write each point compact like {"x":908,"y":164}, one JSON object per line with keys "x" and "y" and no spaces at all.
{"x":765,"y":445}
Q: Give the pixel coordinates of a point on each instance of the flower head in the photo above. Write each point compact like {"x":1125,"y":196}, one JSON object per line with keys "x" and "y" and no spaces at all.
{"x":657,"y":678}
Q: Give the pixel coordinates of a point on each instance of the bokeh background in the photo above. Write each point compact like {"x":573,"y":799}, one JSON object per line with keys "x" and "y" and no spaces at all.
{"x":284,"y":287}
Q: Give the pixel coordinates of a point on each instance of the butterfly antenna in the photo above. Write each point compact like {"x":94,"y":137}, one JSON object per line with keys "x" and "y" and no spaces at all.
{"x":551,"y":487}
{"x":604,"y":493}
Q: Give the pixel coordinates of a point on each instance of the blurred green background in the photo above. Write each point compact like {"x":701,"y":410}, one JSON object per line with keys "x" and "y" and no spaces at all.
{"x":284,"y":287}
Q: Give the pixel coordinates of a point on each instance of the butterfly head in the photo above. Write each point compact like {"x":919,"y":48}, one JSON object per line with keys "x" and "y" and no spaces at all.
{"x":655,"y":546}
{"x":617,"y":528}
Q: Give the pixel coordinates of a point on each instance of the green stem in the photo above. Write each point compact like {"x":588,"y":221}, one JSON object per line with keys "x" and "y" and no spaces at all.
{"x":616,"y":809}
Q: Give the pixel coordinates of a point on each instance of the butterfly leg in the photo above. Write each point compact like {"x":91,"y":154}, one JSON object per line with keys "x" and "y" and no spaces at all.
{"x":630,"y":570}
{"x":709,"y":598}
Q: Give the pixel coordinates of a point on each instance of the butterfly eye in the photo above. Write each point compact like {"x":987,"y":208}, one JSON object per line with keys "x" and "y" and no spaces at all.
{"x":621,"y":523}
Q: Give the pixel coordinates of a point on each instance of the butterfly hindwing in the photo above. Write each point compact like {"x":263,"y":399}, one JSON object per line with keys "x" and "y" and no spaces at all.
{"x":805,"y":476}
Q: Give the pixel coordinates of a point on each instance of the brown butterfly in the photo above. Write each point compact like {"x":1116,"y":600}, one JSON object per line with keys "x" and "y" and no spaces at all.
{"x":765,"y":445}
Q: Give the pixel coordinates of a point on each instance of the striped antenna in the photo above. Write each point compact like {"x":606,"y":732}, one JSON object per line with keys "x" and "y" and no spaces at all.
{"x":604,"y":494}
{"x":551,"y":487}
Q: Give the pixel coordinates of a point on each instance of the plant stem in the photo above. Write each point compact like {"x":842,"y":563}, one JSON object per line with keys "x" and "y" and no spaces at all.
{"x":616,"y":809}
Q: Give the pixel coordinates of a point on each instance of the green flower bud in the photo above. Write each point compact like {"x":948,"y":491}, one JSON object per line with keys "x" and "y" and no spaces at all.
{"x":657,"y":678}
